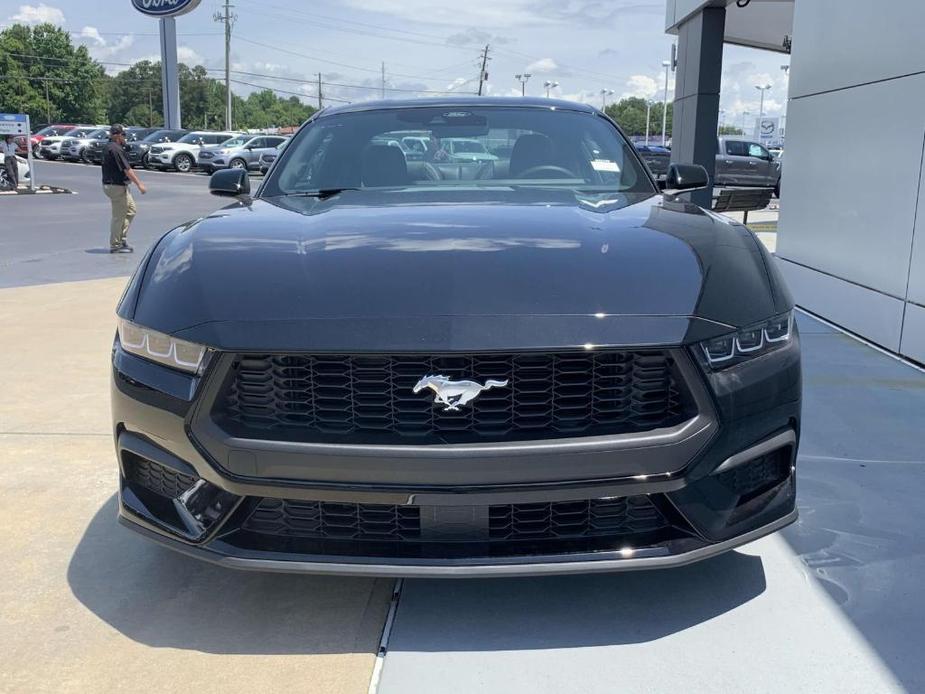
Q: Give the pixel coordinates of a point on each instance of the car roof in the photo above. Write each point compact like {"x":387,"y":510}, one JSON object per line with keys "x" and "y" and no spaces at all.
{"x":459,"y":101}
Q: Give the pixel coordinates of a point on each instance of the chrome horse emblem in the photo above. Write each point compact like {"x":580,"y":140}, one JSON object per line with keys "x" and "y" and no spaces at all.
{"x":454,"y":394}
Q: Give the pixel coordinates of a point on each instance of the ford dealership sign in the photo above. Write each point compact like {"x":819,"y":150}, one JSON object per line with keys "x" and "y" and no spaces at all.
{"x":165,"y":8}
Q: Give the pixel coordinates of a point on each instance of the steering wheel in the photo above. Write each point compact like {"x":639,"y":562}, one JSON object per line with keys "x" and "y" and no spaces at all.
{"x":549,"y":168}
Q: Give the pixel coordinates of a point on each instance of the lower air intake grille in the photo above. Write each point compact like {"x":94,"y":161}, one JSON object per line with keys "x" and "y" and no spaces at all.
{"x":370,"y":399}
{"x":156,"y":478}
{"x":542,"y":521}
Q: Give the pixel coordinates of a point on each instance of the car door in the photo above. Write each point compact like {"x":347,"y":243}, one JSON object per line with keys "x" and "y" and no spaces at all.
{"x":733,"y":164}
{"x":761,"y":166}
{"x":254,"y":149}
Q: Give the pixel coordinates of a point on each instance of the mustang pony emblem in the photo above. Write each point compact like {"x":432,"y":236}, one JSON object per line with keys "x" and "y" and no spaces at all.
{"x":455,"y":393}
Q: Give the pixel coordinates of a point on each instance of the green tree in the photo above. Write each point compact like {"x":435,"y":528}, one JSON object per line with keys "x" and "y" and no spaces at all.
{"x":135,"y":95}
{"x":630,"y":114}
{"x":729,"y":130}
{"x":46,"y":76}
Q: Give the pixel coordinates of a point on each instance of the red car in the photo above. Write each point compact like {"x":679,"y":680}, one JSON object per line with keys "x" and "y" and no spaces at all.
{"x":48,"y":131}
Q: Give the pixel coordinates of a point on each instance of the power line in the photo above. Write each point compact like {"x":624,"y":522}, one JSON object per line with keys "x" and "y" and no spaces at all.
{"x":340,"y":84}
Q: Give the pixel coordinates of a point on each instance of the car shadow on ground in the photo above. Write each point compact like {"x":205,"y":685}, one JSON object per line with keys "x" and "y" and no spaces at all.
{"x":572,"y":611}
{"x":164,"y":599}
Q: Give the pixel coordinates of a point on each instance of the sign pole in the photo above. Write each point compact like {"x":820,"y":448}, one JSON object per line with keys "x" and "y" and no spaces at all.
{"x":170,"y":83}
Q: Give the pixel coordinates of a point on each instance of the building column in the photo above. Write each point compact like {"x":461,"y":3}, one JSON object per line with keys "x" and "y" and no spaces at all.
{"x":696,"y":105}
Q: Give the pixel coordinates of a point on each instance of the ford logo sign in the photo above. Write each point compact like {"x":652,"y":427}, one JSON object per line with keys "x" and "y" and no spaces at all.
{"x":165,"y":8}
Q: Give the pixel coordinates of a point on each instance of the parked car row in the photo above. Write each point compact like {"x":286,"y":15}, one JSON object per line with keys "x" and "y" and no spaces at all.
{"x":160,"y":148}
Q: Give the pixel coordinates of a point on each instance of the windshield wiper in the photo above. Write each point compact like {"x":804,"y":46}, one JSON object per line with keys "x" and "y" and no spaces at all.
{"x":321,"y":194}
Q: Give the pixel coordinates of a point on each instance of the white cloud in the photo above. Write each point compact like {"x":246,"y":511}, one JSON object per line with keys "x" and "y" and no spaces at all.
{"x":101,"y":49}
{"x":187,"y":55}
{"x":38,"y":14}
{"x":641,"y":86}
{"x":92,"y":34}
{"x":543,"y":65}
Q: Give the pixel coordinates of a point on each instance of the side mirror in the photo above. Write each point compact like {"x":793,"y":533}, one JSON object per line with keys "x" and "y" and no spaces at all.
{"x":230,"y":183}
{"x":684,"y":178}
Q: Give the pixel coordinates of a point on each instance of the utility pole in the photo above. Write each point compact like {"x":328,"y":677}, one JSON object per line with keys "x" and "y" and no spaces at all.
{"x":47,"y":103}
{"x":383,"y":79}
{"x":320,"y":101}
{"x":228,"y":18}
{"x":483,"y":75}
{"x":150,"y":110}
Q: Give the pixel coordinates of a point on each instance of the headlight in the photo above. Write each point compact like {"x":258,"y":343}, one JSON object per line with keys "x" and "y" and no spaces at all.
{"x":753,"y":341}
{"x":161,"y":348}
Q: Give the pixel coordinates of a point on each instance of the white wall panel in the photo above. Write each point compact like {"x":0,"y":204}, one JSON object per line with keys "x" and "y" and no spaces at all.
{"x":839,"y":43}
{"x":849,"y":191}
{"x":913,"y":343}
{"x":863,"y":311}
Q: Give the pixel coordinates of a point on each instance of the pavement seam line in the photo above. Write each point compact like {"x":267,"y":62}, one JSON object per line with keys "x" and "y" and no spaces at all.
{"x":384,"y":639}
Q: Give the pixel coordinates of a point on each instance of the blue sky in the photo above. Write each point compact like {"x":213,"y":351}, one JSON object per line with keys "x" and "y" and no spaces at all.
{"x":427,"y":46}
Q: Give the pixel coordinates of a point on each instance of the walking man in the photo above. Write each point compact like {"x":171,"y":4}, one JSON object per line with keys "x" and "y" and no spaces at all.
{"x":10,"y":163}
{"x":117,"y":173}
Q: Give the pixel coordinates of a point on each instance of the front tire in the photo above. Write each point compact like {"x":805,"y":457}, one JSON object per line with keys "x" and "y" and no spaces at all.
{"x":183,"y":163}
{"x":83,"y":156}
{"x":238,"y":164}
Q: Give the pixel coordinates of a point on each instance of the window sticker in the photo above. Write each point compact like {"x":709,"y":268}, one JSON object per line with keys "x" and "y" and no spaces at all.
{"x":605,"y":165}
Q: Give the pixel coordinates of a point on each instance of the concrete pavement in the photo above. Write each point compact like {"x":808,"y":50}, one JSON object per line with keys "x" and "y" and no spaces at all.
{"x":87,"y":606}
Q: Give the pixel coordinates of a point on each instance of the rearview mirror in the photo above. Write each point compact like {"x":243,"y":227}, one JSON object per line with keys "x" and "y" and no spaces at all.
{"x":684,"y":178}
{"x":230,"y":183}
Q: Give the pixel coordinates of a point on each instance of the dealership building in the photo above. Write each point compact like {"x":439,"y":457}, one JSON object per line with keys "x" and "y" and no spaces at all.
{"x":851,"y":235}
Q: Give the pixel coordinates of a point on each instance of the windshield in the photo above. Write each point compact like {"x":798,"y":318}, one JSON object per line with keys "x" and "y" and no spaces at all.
{"x":537,"y":147}
{"x":237,"y":141}
{"x":81,"y":132}
{"x":191,"y":138}
{"x":53,"y":130}
{"x":99,"y":134}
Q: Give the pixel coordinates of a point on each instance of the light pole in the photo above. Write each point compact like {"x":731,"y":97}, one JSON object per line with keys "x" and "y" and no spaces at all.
{"x":549,"y":85}
{"x":648,"y":117}
{"x":781,"y":131}
{"x":762,"y":89}
{"x":744,"y":120}
{"x":523,"y":82}
{"x":604,"y":94}
{"x":722,"y":115}
{"x":667,"y":65}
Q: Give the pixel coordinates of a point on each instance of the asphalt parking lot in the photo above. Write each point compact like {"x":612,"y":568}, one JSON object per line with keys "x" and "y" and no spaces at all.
{"x":832,"y":604}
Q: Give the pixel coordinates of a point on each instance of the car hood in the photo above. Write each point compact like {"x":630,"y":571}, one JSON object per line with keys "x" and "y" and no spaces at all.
{"x":399,"y":269}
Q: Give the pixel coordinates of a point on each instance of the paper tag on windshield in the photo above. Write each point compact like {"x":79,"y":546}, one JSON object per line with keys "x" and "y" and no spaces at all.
{"x":605,"y":165}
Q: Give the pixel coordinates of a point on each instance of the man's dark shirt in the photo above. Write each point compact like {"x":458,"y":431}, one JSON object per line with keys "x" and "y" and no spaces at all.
{"x":114,"y":165}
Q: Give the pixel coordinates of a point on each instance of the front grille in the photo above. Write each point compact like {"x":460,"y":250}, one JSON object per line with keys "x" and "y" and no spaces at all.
{"x":590,"y":518}
{"x":370,"y":399}
{"x":154,"y":477}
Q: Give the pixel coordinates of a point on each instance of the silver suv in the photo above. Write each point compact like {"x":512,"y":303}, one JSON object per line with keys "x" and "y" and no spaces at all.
{"x":182,"y":154}
{"x":239,"y":153}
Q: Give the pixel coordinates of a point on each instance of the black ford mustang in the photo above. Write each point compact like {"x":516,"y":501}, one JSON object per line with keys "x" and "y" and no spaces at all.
{"x":538,"y":363}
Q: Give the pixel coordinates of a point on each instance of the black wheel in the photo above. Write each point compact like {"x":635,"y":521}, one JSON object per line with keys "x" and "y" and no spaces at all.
{"x":83,"y":156}
{"x":237,"y":163}
{"x":183,"y":163}
{"x":144,"y":161}
{"x":777,"y":190}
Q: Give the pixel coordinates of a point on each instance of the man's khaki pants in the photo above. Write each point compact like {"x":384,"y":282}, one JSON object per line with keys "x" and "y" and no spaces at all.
{"x":123,"y":212}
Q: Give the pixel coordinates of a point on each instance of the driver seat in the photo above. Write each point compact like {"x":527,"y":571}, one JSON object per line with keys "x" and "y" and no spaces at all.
{"x":529,"y":151}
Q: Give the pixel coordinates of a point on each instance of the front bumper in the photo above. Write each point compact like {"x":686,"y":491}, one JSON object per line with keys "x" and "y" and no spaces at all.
{"x":205,"y":495}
